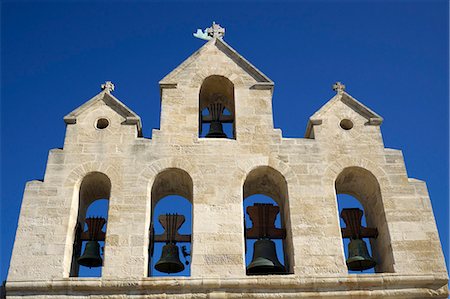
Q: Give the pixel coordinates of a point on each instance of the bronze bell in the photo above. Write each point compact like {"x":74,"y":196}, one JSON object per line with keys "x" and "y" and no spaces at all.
{"x":91,"y":256}
{"x":216,"y":130}
{"x":170,"y":260}
{"x":265,"y":260}
{"x":358,"y":256}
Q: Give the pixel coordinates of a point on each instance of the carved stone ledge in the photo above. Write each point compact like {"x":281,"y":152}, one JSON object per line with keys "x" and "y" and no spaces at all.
{"x":379,"y":285}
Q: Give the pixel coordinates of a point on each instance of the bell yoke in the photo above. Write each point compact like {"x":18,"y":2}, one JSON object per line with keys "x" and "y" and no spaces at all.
{"x":91,"y":257}
{"x":359,"y":258}
{"x":169,"y":261}
{"x":265,"y":260}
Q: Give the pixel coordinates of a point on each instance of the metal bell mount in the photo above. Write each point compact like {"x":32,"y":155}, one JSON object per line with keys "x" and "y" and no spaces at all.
{"x":265,"y":260}
{"x":216,"y":119}
{"x":359,"y":258}
{"x":92,"y":257}
{"x":169,"y":261}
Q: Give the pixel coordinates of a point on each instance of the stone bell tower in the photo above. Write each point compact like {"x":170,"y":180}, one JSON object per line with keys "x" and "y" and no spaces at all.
{"x":216,"y":147}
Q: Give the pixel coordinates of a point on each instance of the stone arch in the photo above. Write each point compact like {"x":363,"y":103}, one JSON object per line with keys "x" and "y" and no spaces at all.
{"x":334,"y":169}
{"x":267,"y":181}
{"x":109,"y":174}
{"x":171,"y":181}
{"x":94,"y":186}
{"x":147,"y":178}
{"x":247,"y":165}
{"x":216,"y":97}
{"x":273,"y":178}
{"x":77,"y":174}
{"x":364,"y":180}
{"x":204,"y":73}
{"x":73,"y":182}
{"x":216,"y":84}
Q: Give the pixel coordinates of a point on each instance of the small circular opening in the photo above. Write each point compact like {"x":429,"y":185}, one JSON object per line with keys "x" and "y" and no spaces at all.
{"x":346,"y":124}
{"x":102,"y":123}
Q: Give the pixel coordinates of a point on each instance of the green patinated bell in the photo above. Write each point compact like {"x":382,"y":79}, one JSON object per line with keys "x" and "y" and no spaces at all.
{"x":358,"y":256}
{"x":170,"y":260}
{"x":91,"y":257}
{"x":265,"y":260}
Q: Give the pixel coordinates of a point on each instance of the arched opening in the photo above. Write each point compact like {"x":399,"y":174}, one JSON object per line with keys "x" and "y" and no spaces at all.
{"x":216,"y":108}
{"x":171,"y":224}
{"x":267,"y":237}
{"x":363,"y":219}
{"x":90,"y":230}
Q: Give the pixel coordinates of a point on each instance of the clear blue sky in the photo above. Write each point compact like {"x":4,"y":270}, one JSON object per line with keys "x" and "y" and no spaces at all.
{"x":392,"y":56}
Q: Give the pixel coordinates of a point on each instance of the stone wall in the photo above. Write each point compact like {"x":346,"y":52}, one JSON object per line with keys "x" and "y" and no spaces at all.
{"x":408,"y":248}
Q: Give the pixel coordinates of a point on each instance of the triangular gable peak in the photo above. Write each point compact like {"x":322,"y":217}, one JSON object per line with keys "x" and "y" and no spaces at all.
{"x":373,"y":118}
{"x":262,"y":81}
{"x":111,"y":101}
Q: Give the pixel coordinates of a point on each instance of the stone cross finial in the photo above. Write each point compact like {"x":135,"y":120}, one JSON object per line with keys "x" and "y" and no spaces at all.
{"x":215,"y":31}
{"x":338,"y":87}
{"x":108,"y":86}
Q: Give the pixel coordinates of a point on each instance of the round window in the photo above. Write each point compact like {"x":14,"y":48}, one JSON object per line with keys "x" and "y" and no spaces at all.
{"x":102,"y":123}
{"x":346,"y":124}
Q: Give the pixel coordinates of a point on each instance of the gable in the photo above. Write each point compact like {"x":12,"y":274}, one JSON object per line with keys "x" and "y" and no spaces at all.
{"x":342,"y":97}
{"x":109,"y":100}
{"x":262,"y":81}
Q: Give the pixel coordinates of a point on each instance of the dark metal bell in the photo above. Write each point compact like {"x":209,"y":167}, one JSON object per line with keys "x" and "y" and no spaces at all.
{"x":91,"y":257}
{"x":216,"y":130}
{"x":170,"y":260}
{"x":358,"y":256}
{"x":265,"y":260}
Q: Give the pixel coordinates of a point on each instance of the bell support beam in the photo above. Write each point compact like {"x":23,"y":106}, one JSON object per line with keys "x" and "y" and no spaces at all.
{"x":263,"y":217}
{"x":366,"y":232}
{"x":359,"y":258}
{"x":225,"y":119}
{"x":354,"y":229}
{"x":171,"y":224}
{"x":92,"y":256}
{"x":100,"y":236}
{"x":170,"y":259}
{"x":94,"y":232}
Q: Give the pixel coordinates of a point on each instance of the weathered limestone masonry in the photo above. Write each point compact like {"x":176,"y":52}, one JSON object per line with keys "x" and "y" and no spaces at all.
{"x":332,"y":158}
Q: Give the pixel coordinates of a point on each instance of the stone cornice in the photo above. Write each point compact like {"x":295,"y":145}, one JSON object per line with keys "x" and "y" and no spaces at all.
{"x":385,"y":285}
